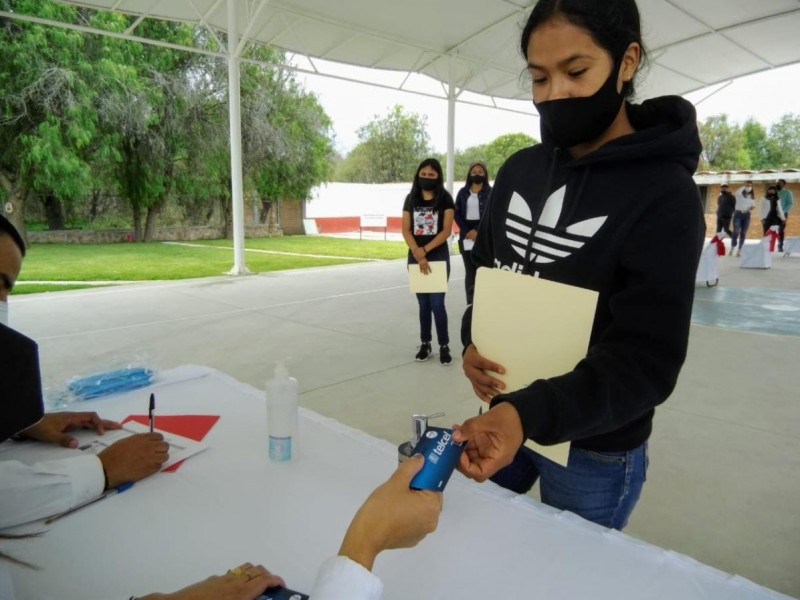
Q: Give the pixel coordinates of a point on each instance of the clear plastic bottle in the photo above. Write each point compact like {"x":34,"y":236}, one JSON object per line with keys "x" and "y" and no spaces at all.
{"x":282,"y":415}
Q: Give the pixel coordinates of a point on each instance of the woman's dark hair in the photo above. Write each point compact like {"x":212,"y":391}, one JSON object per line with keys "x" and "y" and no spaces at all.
{"x":7,"y":228}
{"x":416,"y":191}
{"x":613,"y":24}
{"x":482,"y":164}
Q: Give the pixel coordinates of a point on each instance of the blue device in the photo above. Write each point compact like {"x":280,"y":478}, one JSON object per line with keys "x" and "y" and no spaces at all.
{"x":441,"y":457}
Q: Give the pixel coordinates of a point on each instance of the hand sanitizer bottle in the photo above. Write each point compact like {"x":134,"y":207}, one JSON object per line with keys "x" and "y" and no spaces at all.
{"x":282,"y":414}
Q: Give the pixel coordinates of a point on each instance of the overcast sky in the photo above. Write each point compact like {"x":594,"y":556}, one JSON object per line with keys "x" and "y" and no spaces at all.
{"x":765,"y":96}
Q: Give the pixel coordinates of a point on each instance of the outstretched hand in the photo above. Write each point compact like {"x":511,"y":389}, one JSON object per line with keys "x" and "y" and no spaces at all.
{"x":393,"y":516}
{"x":492,"y":438}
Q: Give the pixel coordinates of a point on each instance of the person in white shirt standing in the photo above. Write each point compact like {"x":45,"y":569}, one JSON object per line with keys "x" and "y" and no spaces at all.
{"x":741,"y":216}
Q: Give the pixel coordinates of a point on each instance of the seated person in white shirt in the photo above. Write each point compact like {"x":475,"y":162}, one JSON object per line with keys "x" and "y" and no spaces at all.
{"x":31,"y":492}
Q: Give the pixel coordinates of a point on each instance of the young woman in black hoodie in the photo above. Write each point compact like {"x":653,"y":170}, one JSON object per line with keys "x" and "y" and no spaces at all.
{"x":588,"y":207}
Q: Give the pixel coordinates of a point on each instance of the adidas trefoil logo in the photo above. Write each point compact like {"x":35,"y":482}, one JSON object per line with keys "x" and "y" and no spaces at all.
{"x":549,"y":245}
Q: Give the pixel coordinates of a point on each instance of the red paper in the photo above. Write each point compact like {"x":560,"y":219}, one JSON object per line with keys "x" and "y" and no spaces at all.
{"x":194,"y":427}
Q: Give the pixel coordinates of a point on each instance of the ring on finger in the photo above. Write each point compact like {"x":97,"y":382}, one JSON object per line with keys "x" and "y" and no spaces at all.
{"x":237,"y":571}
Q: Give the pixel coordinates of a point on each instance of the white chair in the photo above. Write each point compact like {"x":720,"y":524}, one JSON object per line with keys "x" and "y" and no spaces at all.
{"x":707,"y":268}
{"x":791,"y":246}
{"x":756,"y":256}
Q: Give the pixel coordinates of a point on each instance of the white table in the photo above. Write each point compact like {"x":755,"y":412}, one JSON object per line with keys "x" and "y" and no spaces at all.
{"x":229,"y":505}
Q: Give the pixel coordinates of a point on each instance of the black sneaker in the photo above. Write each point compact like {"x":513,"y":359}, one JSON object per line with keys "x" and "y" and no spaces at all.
{"x":444,"y":356}
{"x":424,"y":352}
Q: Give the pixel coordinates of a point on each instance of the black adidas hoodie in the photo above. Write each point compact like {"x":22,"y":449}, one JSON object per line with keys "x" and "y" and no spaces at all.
{"x":626,"y":221}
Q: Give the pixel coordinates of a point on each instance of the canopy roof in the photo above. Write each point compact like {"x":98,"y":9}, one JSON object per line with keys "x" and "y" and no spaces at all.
{"x":693,"y":43}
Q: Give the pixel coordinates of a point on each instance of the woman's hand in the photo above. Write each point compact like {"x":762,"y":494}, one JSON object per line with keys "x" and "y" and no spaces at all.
{"x":471,"y":234}
{"x":245,"y":582}
{"x":393,"y":516}
{"x":475,"y":368}
{"x":419,"y":253}
{"x":424,"y":267}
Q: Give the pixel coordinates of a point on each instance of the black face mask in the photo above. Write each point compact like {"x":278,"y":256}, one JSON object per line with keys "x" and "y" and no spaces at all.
{"x":477,"y":179}
{"x":427,"y":184}
{"x":20,"y":383}
{"x":572,"y":121}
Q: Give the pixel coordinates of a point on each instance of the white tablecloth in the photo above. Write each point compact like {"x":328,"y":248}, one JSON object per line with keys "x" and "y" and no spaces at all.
{"x":229,"y":505}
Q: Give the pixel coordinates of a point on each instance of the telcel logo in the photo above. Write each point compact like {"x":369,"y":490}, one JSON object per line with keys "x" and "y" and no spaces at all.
{"x":442,"y":444}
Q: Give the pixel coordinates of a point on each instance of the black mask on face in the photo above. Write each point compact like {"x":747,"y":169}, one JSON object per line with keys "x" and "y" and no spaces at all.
{"x":426,"y":183}
{"x":475,"y":179}
{"x":572,"y":121}
{"x":20,"y":383}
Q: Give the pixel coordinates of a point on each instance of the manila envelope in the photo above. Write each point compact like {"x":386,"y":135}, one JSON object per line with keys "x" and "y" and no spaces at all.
{"x":533,"y":327}
{"x":431,"y":283}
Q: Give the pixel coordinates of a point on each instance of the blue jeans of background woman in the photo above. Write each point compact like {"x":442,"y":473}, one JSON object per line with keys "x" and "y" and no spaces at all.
{"x":602,"y":487}
{"x":432,"y":304}
{"x":741,"y":222}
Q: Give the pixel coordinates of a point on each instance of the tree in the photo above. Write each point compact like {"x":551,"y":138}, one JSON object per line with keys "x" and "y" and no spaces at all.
{"x":389,"y":150}
{"x":784,"y":142}
{"x":723,"y":145}
{"x":47,"y":117}
{"x":498,"y":150}
{"x":756,"y":143}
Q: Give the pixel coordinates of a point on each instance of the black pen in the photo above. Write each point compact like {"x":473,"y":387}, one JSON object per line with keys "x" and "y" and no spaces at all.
{"x":150,"y":411}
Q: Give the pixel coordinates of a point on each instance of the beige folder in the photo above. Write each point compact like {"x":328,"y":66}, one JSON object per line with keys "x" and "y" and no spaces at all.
{"x":533,"y":327}
{"x":430,"y":283}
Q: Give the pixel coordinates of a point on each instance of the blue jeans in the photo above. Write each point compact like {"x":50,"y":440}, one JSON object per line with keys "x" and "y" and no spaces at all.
{"x":602,"y":487}
{"x":432,"y":303}
{"x":741,"y":222}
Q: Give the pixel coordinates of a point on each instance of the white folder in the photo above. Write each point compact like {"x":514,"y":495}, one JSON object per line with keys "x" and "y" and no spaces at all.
{"x":534,"y":328}
{"x":430,"y":283}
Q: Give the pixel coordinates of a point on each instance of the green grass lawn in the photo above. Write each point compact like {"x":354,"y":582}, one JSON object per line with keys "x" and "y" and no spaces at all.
{"x":159,"y":261}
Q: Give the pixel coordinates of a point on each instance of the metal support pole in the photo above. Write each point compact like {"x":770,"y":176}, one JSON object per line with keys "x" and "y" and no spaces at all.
{"x":451,"y":130}
{"x":237,"y":187}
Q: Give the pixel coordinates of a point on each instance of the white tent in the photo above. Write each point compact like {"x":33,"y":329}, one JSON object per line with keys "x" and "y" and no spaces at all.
{"x":468,"y":45}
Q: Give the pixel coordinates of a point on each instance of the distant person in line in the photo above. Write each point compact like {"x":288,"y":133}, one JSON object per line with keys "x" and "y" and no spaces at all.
{"x":771,"y":210}
{"x":726,"y":204}
{"x":590,"y":207}
{"x":427,"y":223}
{"x":787,"y":201}
{"x":471,"y":202}
{"x":741,"y":217}
{"x":31,"y":492}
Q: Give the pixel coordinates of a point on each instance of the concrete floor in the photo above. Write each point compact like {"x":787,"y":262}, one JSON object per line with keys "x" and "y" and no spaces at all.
{"x":724,"y":480}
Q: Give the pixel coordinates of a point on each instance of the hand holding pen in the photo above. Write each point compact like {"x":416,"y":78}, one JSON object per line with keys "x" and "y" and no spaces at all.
{"x":133,"y":458}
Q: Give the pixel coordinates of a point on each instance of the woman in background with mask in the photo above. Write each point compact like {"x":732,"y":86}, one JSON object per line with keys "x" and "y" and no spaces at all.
{"x":589,"y":207}
{"x":427,"y":223}
{"x":770,"y":210}
{"x":471,"y":202}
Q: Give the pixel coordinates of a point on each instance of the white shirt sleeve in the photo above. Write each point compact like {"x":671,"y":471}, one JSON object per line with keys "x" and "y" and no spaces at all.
{"x":340,"y":578}
{"x":43,"y":489}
